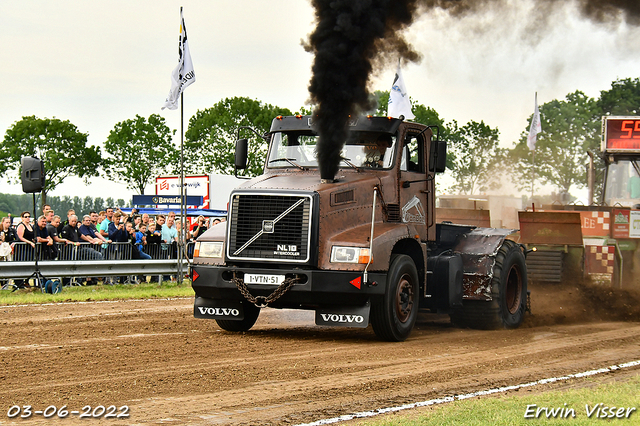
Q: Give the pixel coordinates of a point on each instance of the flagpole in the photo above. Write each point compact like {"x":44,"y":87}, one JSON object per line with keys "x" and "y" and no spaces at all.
{"x":531,"y":143}
{"x":533,"y":175}
{"x":183,"y":212}
{"x":181,"y":77}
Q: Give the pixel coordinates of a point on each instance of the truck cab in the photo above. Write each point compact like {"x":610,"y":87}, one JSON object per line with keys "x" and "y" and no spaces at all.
{"x":362,"y":248}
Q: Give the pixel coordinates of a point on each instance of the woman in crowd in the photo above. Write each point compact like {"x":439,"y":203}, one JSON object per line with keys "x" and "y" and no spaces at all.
{"x":7,"y":233}
{"x":26,"y":234}
{"x":7,"y":237}
{"x":24,"y":252}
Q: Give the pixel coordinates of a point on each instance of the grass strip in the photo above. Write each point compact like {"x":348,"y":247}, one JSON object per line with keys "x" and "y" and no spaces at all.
{"x":143,"y":290}
{"x":581,"y":406}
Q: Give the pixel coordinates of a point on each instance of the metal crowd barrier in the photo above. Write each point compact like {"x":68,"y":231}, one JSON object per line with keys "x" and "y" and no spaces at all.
{"x":91,"y":260}
{"x":23,"y":252}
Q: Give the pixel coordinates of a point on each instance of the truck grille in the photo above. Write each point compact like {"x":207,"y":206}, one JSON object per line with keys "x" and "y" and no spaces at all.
{"x":269,"y":227}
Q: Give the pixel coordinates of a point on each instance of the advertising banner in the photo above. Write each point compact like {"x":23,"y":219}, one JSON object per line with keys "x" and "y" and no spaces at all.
{"x":197,"y":185}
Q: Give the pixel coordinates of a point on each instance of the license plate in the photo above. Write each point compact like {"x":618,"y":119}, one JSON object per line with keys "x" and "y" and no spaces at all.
{"x":263,"y":279}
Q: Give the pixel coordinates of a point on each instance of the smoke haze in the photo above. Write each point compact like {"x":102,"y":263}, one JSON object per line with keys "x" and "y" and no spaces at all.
{"x":355,"y":39}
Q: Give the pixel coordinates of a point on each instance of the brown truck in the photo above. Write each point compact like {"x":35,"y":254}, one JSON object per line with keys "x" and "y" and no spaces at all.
{"x":362,"y":248}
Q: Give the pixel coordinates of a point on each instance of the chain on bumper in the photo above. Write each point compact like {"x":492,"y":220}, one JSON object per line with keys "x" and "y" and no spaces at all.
{"x":262,"y":301}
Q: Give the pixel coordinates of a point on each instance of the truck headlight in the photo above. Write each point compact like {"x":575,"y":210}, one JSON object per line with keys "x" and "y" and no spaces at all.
{"x":208,"y":249}
{"x":341,"y":254}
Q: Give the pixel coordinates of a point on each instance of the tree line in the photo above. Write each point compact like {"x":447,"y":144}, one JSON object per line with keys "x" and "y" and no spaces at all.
{"x":139,"y":149}
{"x":16,"y":204}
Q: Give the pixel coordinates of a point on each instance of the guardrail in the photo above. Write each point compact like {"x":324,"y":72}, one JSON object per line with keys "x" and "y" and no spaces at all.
{"x":94,"y":268}
{"x":90,"y":260}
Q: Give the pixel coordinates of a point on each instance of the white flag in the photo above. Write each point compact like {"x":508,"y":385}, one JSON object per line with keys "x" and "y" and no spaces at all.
{"x":399,"y":103}
{"x":535,"y":128}
{"x":183,"y":75}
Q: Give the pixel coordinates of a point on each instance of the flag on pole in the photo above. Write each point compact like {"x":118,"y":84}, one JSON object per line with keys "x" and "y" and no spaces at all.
{"x":535,"y":128}
{"x":183,"y":75}
{"x":399,"y":103}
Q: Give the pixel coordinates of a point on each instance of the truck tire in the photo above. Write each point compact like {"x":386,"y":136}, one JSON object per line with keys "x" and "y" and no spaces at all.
{"x":394,"y":314}
{"x":251,"y":313}
{"x":508,"y":293}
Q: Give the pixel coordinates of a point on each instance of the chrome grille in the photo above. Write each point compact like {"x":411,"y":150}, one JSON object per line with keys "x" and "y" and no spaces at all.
{"x":270,"y":227}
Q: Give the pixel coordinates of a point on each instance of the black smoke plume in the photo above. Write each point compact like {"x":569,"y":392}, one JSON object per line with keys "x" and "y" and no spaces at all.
{"x":349,"y":37}
{"x":354,"y":37}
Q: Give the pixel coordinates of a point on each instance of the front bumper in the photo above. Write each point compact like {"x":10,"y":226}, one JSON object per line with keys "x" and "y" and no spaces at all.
{"x":315,"y":289}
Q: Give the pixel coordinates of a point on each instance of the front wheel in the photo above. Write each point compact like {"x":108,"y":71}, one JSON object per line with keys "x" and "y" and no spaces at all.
{"x":508,"y":294}
{"x":251,"y":313}
{"x":394,"y":314}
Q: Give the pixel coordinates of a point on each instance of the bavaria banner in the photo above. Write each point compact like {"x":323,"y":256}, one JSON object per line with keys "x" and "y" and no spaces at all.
{"x":183,"y":75}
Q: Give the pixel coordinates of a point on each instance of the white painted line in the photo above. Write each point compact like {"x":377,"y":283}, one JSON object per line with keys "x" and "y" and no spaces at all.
{"x":437,"y":401}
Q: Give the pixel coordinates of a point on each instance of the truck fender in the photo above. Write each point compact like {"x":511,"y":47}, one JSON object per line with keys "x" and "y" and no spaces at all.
{"x":478,"y":249}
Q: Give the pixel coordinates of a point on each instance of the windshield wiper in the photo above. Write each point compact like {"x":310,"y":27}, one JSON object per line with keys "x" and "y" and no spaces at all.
{"x":288,"y":160}
{"x":348,"y":161}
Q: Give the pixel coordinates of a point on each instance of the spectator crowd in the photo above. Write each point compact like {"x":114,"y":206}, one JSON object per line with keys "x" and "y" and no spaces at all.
{"x":109,"y":234}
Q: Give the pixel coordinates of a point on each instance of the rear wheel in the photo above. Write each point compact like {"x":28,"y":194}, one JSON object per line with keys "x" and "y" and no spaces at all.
{"x":394,"y":314}
{"x":508,"y":293}
{"x":251,"y":313}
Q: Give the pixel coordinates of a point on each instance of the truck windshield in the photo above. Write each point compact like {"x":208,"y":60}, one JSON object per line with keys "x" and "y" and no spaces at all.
{"x":362,"y":149}
{"x":623,"y":184}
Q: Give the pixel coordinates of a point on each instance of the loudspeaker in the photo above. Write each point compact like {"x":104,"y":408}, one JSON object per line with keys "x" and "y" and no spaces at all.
{"x":32,"y":174}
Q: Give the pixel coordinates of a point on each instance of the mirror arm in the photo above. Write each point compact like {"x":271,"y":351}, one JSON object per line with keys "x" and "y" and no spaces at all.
{"x":265,"y":137}
{"x":407,"y":183}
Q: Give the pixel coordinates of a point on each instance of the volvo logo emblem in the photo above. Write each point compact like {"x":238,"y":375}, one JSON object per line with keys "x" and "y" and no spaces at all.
{"x":268,"y":226}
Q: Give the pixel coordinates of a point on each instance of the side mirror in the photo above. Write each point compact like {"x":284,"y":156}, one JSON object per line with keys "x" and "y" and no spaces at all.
{"x":241,"y":154}
{"x":438,"y":156}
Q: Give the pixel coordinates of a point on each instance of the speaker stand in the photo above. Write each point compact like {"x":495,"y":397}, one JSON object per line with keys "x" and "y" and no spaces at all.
{"x":37,"y":277}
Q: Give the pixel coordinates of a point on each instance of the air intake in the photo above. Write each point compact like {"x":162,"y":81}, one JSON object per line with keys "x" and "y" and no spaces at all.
{"x":270,"y":227}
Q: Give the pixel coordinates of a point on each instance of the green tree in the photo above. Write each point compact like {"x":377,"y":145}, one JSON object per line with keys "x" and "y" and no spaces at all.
{"x":622,"y":99}
{"x":424,"y":115}
{"x":382,"y":103}
{"x":139,"y":150}
{"x":210,"y":139}
{"x":475,"y":155}
{"x":98,"y":204}
{"x":520,"y":161}
{"x":77,"y":206}
{"x":570,"y":128}
{"x":87,"y":204}
{"x":58,"y":143}
{"x":16,"y":204}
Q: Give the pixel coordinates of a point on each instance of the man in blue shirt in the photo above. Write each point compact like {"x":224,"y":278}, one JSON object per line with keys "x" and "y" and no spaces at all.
{"x":104,"y":226}
{"x":89,"y":235}
{"x":170,"y":239}
{"x":169,"y":231}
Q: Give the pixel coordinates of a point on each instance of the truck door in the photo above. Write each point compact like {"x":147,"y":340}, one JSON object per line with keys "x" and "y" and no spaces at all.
{"x":416,"y":191}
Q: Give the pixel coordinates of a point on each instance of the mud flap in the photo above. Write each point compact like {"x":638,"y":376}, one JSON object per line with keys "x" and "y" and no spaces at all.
{"x":344,"y":316}
{"x":218,"y":309}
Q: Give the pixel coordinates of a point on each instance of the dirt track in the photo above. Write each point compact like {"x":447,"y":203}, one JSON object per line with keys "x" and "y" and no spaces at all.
{"x":169,"y":367}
